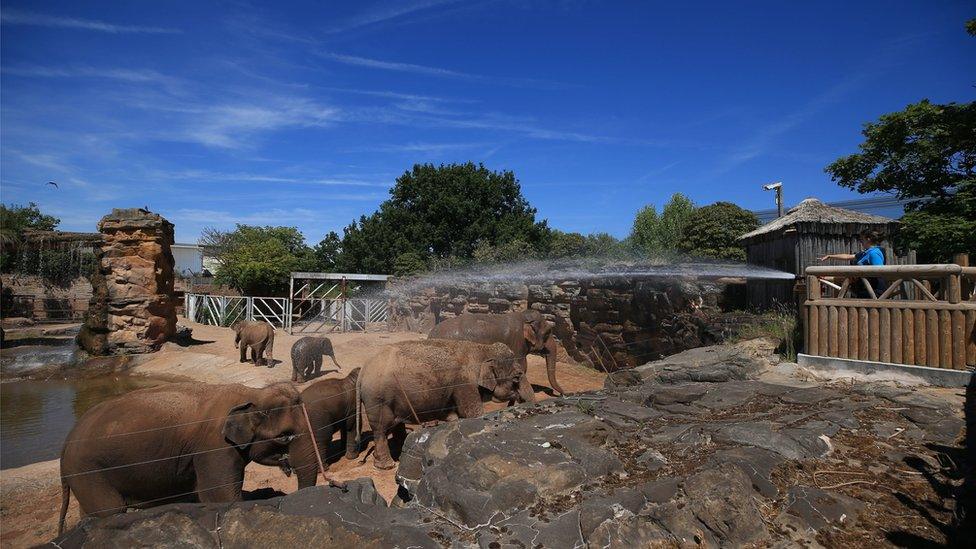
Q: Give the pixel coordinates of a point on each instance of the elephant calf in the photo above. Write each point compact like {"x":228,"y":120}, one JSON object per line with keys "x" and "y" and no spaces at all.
{"x":174,"y":442}
{"x":257,"y":335}
{"x":306,"y":357}
{"x":331,"y":405}
{"x":433,"y":379}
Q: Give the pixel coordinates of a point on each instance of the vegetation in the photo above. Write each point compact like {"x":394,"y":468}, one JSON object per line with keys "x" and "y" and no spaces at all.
{"x":442,"y":212}
{"x":713,"y":230}
{"x":925,"y":153}
{"x":781,"y":324}
{"x":655,"y":235}
{"x":58,"y":265}
{"x":14,"y":220}
{"x":258,"y":261}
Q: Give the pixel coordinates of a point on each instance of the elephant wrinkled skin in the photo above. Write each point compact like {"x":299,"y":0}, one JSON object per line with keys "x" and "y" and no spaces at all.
{"x":306,"y":357}
{"x":331,"y":405}
{"x":433,"y":379}
{"x":257,"y":335}
{"x":174,"y":442}
{"x":525,"y":332}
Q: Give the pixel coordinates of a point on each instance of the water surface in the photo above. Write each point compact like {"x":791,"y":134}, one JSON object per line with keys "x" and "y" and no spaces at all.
{"x":36,"y":416}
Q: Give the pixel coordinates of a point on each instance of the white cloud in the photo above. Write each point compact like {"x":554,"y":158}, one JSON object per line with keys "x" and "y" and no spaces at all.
{"x":229,"y":125}
{"x":134,"y":76}
{"x":206,"y":175}
{"x":17,"y":17}
{"x":384,"y":13}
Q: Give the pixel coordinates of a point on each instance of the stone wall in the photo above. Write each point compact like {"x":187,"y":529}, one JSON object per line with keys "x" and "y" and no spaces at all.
{"x":30,"y":296}
{"x":133,"y":307}
{"x":611,"y":322}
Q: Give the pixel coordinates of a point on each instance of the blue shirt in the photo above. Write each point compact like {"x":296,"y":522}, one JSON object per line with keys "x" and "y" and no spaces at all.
{"x":871,"y":256}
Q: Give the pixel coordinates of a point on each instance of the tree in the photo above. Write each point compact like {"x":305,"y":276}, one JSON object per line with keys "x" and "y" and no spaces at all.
{"x":441,"y":212}
{"x":562,"y":244}
{"x":258,"y":261}
{"x":14,"y":220}
{"x":327,"y":252}
{"x":925,"y":153}
{"x":712,"y":231}
{"x":653,"y":234}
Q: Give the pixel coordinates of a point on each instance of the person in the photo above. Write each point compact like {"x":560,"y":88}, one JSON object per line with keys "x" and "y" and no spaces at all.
{"x":870,"y":255}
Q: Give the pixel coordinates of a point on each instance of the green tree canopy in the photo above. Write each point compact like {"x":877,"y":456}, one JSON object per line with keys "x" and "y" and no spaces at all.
{"x":257,"y":261}
{"x":712,"y":231}
{"x":14,"y":220}
{"x":925,"y":153}
{"x":442,"y":212}
{"x":654,"y":234}
{"x":327,"y":252}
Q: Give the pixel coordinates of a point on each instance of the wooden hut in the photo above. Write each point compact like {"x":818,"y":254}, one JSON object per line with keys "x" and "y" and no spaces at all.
{"x":808,"y":231}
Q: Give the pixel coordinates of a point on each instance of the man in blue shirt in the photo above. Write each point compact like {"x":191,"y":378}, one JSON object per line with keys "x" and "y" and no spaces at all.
{"x":872,"y":255}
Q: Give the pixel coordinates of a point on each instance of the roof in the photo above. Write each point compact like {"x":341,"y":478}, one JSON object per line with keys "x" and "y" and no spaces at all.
{"x":812,"y":210}
{"x":340,"y":276}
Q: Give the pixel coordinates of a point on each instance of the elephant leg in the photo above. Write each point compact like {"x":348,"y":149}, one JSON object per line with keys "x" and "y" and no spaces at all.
{"x":468,"y":403}
{"x":256,"y":352}
{"x":219,"y":478}
{"x":243,"y":348}
{"x":525,"y":391}
{"x":317,"y":366}
{"x":348,"y":438}
{"x":381,"y":454}
{"x":96,"y":496}
{"x":398,"y":437}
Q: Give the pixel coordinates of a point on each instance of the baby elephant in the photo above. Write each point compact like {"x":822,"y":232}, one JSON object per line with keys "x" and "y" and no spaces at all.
{"x":306,"y":357}
{"x":331,"y":405}
{"x":258,"y":336}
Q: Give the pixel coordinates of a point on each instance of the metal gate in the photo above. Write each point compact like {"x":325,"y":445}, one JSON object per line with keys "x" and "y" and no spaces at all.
{"x":220,"y":310}
{"x":295,"y":315}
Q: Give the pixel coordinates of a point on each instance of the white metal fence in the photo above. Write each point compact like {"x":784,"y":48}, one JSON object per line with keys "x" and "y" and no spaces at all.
{"x":294,"y":315}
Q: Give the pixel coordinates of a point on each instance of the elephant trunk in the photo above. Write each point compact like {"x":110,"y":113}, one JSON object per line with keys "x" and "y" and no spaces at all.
{"x":301,"y":456}
{"x":551,"y":365}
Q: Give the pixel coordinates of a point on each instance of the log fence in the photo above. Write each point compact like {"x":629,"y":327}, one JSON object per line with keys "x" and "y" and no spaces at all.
{"x":925,"y":315}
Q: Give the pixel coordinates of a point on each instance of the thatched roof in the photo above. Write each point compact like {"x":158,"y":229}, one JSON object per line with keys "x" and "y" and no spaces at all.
{"x":812,"y":210}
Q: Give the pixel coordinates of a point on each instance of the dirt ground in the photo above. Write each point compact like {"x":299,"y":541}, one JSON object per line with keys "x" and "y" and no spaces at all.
{"x":30,"y":496}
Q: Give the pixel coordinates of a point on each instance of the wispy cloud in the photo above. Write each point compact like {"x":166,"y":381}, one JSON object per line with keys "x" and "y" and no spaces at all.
{"x":384,"y":13}
{"x":439,"y":72}
{"x":207,"y":175}
{"x":229,"y":125}
{"x":135,"y":76}
{"x":17,"y":17}
{"x":399,"y":95}
{"x":433,"y":148}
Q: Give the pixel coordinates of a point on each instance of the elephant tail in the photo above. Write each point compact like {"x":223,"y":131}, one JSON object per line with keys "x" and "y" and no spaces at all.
{"x":359,"y":408}
{"x":65,"y":496}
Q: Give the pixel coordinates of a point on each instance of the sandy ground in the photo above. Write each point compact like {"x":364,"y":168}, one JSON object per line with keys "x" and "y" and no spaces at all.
{"x":30,"y":496}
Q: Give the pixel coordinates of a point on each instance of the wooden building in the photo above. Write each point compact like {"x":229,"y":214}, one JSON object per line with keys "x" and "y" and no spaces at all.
{"x":808,"y":231}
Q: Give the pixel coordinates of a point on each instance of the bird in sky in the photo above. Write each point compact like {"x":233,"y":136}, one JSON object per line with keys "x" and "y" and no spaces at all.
{"x":53,"y":183}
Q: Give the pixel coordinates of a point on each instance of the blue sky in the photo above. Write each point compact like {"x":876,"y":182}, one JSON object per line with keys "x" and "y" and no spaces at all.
{"x":303,"y":114}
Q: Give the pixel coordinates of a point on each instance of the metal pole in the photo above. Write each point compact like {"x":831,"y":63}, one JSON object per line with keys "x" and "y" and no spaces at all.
{"x":779,"y":201}
{"x":291,"y":296}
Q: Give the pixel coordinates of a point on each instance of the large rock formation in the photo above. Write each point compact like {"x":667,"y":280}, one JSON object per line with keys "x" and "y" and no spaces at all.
{"x":715,"y":447}
{"x":133,"y":308}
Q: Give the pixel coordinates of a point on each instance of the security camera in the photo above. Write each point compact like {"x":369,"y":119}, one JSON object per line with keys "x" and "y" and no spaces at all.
{"x":772,"y":186}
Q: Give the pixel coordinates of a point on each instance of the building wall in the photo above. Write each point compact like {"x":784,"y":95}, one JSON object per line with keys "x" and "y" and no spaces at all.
{"x":189,"y":259}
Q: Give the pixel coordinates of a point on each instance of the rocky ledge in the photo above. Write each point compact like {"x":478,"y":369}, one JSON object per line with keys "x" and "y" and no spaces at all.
{"x":714,"y":447}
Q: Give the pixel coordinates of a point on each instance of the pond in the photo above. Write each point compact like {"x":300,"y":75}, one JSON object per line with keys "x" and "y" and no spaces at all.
{"x":36,"y":416}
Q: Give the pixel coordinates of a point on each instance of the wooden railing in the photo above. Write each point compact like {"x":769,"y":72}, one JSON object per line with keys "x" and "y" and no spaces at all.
{"x":921,"y":315}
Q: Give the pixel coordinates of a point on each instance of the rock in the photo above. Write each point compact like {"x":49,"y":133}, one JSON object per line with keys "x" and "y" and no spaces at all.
{"x":715,"y":364}
{"x":818,"y":509}
{"x":133,"y":306}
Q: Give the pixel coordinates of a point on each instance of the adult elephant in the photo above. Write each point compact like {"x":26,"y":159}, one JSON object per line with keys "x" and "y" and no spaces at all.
{"x":428,"y":380}
{"x":525,"y":332}
{"x":331,"y":405}
{"x":257,"y":335}
{"x":174,"y":442}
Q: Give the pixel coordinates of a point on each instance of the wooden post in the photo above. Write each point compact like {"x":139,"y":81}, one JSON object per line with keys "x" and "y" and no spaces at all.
{"x":813,"y":329}
{"x":863,"y":340}
{"x":958,"y":340}
{"x":854,"y":341}
{"x":969,"y":336}
{"x":945,"y":339}
{"x":874,"y":335}
{"x":896,"y":345}
{"x":832,"y":332}
{"x":842,"y":336}
{"x":908,"y":337}
{"x":822,"y":317}
{"x":920,"y":348}
{"x":954,"y":290}
{"x":932,"y":338}
{"x":884,"y":332}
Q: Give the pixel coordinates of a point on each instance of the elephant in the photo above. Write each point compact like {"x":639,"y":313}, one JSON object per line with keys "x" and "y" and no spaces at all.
{"x":525,"y":332}
{"x":432,"y":379}
{"x":169,"y":443}
{"x":331,"y":405}
{"x":306,"y":357}
{"x":258,"y":336}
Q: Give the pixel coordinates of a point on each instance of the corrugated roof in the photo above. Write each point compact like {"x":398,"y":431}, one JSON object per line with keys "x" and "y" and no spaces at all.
{"x":812,"y":210}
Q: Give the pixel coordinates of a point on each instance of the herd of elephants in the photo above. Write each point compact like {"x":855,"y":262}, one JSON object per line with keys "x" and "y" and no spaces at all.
{"x":192,"y":441}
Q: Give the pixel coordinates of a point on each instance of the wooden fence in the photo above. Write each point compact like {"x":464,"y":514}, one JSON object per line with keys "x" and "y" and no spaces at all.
{"x":921,"y":315}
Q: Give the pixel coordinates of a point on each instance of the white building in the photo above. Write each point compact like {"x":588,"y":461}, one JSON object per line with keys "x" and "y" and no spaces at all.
{"x":189,"y":259}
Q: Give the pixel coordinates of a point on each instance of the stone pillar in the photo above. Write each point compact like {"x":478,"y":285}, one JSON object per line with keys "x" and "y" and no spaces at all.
{"x":133,"y":307}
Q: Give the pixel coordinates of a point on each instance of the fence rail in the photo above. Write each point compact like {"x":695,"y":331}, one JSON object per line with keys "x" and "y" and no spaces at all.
{"x":922,"y":315}
{"x":294,"y":315}
{"x":43,"y":309}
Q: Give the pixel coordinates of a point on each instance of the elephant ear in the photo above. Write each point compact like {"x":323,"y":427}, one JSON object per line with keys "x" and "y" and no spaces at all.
{"x":486,"y":376}
{"x":241,"y":424}
{"x":530,"y":334}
